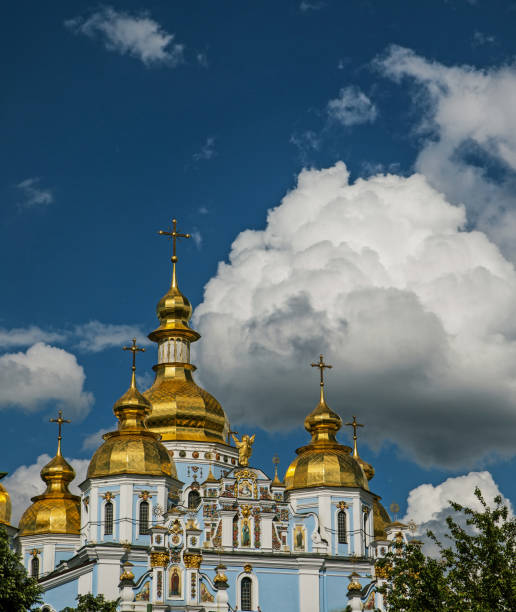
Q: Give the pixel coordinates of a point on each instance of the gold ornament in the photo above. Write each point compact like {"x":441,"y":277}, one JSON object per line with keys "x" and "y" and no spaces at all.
{"x":248,"y":568}
{"x":159,"y":559}
{"x":192,"y":561}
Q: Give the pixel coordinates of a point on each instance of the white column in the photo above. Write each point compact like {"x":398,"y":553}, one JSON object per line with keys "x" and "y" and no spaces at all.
{"x":325,"y":520}
{"x":94,"y":530}
{"x":227,"y":527}
{"x":357,"y":527}
{"x":49,"y":556}
{"x":309,"y":584}
{"x":192,"y":587}
{"x":85,"y":584}
{"x":108,"y":576}
{"x":125,"y":508}
{"x":266,"y":530}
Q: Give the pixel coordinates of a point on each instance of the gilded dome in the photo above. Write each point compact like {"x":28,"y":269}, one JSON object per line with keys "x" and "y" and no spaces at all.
{"x":181,"y":410}
{"x":132,"y":449}
{"x":324,"y":462}
{"x":381,"y":519}
{"x":5,"y":503}
{"x":56,"y":510}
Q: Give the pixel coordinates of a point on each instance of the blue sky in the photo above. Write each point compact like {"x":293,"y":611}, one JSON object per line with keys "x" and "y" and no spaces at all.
{"x":117,"y":117}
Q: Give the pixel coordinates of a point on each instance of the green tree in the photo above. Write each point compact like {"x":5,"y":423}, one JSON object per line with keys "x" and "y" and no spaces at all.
{"x":18,"y":592}
{"x":91,"y":603}
{"x":476,"y":572}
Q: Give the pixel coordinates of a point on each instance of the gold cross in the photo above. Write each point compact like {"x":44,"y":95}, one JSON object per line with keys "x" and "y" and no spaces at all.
{"x":354,"y":424}
{"x":59,"y":422}
{"x":174,"y":235}
{"x":231,"y":432}
{"x":134,"y":349}
{"x":321,"y":365}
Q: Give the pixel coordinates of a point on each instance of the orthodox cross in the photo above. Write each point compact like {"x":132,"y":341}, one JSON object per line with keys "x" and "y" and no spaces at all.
{"x":134,"y":349}
{"x":321,"y":365}
{"x":59,"y":422}
{"x":173,"y":235}
{"x":354,"y":424}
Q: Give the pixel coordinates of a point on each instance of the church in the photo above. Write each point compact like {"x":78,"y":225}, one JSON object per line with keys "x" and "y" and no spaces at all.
{"x":174,"y":516}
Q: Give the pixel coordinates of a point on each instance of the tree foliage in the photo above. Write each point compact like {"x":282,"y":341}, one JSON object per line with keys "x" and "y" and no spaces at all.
{"x":476,"y":572}
{"x":18,"y":592}
{"x":91,"y":603}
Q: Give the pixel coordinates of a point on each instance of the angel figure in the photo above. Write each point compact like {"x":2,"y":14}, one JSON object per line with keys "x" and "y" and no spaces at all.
{"x":244,"y":448}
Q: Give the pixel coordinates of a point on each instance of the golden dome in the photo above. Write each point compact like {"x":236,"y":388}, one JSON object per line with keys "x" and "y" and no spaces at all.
{"x":56,"y":510}
{"x":132,"y":449}
{"x":5,"y":503}
{"x":381,"y":519}
{"x":324,"y":462}
{"x":181,"y":410}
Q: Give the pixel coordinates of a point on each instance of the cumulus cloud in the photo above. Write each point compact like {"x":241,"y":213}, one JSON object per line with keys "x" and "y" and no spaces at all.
{"x":94,"y":440}
{"x":96,"y":336}
{"x":469,"y":126}
{"x":43,"y":374}
{"x":352,"y":107}
{"x":429,"y":506}
{"x":136,"y":35}
{"x":25,"y":482}
{"x":414,"y":312}
{"x":33,"y":194}
{"x":207,"y":150}
{"x":25,"y":336}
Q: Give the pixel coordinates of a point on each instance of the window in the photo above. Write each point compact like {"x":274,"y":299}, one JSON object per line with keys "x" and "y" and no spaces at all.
{"x":144,"y":518}
{"x":108,"y":518}
{"x":34,"y":567}
{"x":194,"y":499}
{"x":246,"y":589}
{"x":341,"y":527}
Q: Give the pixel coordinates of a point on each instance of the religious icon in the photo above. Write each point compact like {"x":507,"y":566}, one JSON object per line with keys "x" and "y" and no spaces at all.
{"x":244,"y":448}
{"x":244,"y":490}
{"x":144,"y":594}
{"x":175,"y":582}
{"x":299,"y":538}
{"x":246,"y":534}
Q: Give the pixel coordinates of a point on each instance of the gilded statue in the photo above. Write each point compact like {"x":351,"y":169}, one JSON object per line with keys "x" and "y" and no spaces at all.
{"x":244,"y":448}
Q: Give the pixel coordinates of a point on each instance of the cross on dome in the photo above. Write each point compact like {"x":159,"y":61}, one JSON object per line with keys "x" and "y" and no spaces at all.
{"x":59,"y":422}
{"x":134,"y":349}
{"x":322,"y":366}
{"x":354,"y":424}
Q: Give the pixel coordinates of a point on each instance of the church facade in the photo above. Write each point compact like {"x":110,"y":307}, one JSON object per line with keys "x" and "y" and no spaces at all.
{"x":174,"y":516}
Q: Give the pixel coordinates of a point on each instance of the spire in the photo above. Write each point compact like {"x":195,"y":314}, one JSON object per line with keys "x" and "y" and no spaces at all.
{"x":173,"y":235}
{"x":276,"y":481}
{"x":59,"y":421}
{"x":322,"y":422}
{"x":132,"y":408}
{"x":354,"y":424}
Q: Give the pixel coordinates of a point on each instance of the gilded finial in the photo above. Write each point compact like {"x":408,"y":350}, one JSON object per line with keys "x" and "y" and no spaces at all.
{"x":354,"y":424}
{"x":173,"y":235}
{"x":59,"y":422}
{"x":134,"y":349}
{"x":276,"y":461}
{"x":321,"y":365}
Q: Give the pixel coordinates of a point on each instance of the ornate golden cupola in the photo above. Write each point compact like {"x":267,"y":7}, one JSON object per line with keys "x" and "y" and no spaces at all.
{"x":56,"y":510}
{"x":324,"y":462}
{"x":132,"y":449}
{"x":5,"y":503}
{"x":181,"y":410}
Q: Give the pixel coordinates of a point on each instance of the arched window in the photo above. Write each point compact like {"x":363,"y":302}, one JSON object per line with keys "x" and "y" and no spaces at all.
{"x":341,"y":527}
{"x":34,"y":567}
{"x":194,"y":499}
{"x":246,"y":593}
{"x":108,"y":518}
{"x":144,"y":518}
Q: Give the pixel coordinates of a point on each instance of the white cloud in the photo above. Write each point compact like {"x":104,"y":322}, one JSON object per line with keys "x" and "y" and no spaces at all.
{"x":479,"y":38}
{"x":306,"y":6}
{"x":207,"y":150}
{"x":33,"y":194}
{"x":135,"y":35}
{"x":96,"y":336}
{"x":352,"y":107}
{"x":415,"y":313}
{"x":40,"y":375}
{"x":144,"y":380}
{"x":202,"y":59}
{"x":429,"y":506}
{"x":197,"y":238}
{"x":306,"y":142}
{"x":470,"y":125}
{"x":25,"y":336}
{"x":94,"y":440}
{"x":25,"y":482}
